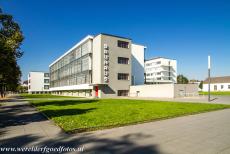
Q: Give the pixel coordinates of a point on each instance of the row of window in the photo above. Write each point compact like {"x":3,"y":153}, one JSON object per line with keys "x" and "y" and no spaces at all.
{"x":221,"y":87}
{"x":153,"y":63}
{"x":45,"y":87}
{"x":72,"y":80}
{"x":73,"y":55}
{"x":75,"y":67}
{"x":153,"y":74}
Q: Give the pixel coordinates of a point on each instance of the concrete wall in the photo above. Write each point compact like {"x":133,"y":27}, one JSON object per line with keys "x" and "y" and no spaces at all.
{"x":185,"y":90}
{"x":164,"y":90}
{"x":226,"y":87}
{"x":138,"y":63}
{"x":156,"y":90}
{"x":97,"y":61}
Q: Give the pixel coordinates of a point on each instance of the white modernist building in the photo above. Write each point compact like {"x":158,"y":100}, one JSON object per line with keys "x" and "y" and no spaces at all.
{"x":160,"y":70}
{"x":99,"y":66}
{"x":217,"y":84}
{"x":38,"y":82}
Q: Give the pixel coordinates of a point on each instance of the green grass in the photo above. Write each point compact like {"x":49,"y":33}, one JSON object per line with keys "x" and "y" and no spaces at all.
{"x":224,"y":93}
{"x":84,"y":115}
{"x":44,"y":96}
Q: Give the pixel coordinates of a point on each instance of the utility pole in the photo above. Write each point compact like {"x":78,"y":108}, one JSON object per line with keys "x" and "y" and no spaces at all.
{"x":209,"y":79}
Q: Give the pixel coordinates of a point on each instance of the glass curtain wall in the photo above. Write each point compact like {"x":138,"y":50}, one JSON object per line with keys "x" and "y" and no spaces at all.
{"x":74,"y":68}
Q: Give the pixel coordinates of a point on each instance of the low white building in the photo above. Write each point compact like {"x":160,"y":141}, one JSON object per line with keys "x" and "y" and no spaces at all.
{"x":160,"y":70}
{"x":38,"y":82}
{"x":217,"y":84}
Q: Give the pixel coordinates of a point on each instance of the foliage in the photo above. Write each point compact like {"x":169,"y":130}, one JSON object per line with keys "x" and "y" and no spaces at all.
{"x":91,"y":114}
{"x":182,"y":79}
{"x":201,"y":85}
{"x":10,"y":41}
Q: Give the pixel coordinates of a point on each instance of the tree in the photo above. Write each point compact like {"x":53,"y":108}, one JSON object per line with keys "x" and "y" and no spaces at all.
{"x":182,"y":79}
{"x":201,"y":85}
{"x":11,"y":38}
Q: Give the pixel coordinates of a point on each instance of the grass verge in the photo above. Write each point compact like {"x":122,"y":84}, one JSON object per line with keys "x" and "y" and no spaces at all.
{"x":224,"y":93}
{"x":88,"y":114}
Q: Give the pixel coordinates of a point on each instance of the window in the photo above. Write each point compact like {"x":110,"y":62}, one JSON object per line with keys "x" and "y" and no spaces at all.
{"x":78,"y":53}
{"x":46,"y":87}
{"x":158,"y":73}
{"x":159,"y":62}
{"x":46,"y":81}
{"x":158,"y":78}
{"x":123,"y":76}
{"x":122,"y":93}
{"x":29,"y":87}
{"x":215,"y":87}
{"x":122,"y":44}
{"x":46,"y":75}
{"x":228,"y":86}
{"x":222,"y":86}
{"x":123,"y":60}
{"x":85,"y":64}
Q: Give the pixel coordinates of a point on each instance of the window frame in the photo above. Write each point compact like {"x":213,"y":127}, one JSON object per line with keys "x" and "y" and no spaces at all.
{"x":123,"y":60}
{"x":123,"y":76}
{"x":122,"y":44}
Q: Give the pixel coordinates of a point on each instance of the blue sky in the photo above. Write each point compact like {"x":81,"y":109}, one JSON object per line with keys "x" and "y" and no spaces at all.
{"x":185,"y":30}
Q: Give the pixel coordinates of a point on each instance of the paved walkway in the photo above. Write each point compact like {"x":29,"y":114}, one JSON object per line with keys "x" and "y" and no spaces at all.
{"x":21,"y":125}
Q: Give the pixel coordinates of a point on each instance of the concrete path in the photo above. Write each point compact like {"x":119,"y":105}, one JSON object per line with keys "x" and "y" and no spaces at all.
{"x":208,"y":133}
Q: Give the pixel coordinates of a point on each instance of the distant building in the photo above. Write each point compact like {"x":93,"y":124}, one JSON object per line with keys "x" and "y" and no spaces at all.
{"x":217,"y":84}
{"x":160,"y":70}
{"x":38,"y":82}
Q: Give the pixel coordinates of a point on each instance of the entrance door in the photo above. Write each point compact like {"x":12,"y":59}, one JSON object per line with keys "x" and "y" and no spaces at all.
{"x":96,"y":91}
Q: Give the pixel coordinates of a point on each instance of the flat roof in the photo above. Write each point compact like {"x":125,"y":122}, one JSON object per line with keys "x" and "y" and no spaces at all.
{"x":113,"y":36}
{"x":159,"y":57}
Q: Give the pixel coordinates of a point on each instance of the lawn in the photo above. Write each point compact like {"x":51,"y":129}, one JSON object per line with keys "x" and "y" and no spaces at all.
{"x":87,"y":114}
{"x":26,"y":95}
{"x":225,"y":93}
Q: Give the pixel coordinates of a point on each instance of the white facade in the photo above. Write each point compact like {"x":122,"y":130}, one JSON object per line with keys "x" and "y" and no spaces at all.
{"x":138,"y":64}
{"x":38,"y":82}
{"x":160,"y":70}
{"x":217,"y":87}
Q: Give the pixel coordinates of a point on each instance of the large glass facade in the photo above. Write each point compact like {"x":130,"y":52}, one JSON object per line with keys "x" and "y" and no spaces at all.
{"x":74,"y":68}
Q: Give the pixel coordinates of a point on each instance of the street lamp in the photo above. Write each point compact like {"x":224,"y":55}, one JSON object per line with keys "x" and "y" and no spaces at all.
{"x":209,"y":79}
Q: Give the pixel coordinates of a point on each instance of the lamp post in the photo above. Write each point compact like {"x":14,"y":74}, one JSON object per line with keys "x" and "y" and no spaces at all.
{"x":209,"y":80}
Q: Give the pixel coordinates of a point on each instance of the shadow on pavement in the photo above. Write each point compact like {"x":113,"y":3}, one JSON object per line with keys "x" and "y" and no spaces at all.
{"x":92,"y":144}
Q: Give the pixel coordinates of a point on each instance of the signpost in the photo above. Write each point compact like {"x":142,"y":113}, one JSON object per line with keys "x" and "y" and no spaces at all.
{"x":209,"y":80}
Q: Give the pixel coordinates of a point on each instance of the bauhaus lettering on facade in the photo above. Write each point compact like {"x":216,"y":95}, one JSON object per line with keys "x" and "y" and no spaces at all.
{"x":98,"y":66}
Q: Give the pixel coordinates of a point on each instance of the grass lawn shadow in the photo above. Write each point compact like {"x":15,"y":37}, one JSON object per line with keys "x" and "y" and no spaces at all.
{"x":64,"y":102}
{"x":66,"y":112}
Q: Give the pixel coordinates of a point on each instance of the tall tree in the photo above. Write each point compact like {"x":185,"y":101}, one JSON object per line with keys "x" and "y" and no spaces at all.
{"x":11,"y":38}
{"x":182,"y":79}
